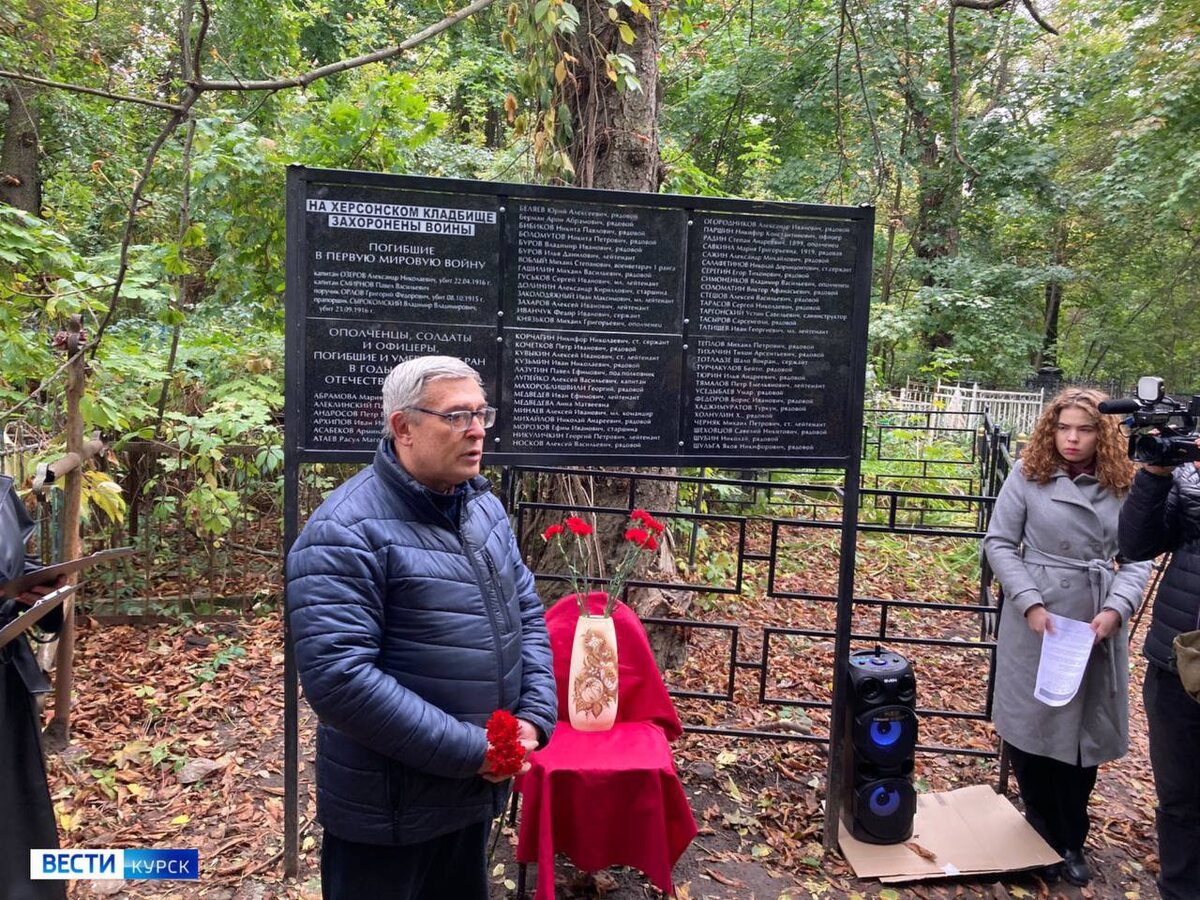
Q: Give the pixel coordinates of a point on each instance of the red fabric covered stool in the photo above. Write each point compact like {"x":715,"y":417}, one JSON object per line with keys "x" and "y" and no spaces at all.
{"x":608,"y":798}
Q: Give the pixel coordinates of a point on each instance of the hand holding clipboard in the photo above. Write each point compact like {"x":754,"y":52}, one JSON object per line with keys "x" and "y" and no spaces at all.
{"x":46,"y":576}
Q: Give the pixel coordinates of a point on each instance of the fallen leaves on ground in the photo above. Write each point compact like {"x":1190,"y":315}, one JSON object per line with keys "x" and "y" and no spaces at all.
{"x":178,"y":742}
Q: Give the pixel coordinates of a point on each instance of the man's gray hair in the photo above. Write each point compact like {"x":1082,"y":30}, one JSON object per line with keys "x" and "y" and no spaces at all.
{"x":406,"y":383}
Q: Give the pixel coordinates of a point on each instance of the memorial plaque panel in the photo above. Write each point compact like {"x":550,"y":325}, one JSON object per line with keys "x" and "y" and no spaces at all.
{"x":609,"y":327}
{"x":748,"y":396}
{"x":757,"y":275}
{"x":586,"y":392}
{"x":402,"y":255}
{"x":349,"y":360}
{"x":595,"y":266}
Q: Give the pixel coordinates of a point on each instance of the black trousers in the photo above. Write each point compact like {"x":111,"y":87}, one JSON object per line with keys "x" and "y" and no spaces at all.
{"x":1055,"y":795}
{"x":450,"y":867}
{"x":1174,"y":720}
{"x":27,"y":817}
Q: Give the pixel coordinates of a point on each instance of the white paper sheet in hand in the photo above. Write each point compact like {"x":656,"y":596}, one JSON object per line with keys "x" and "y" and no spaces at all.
{"x":1065,"y":654}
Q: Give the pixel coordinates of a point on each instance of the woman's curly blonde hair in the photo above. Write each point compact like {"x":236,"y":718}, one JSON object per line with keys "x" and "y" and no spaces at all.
{"x":1041,"y":459}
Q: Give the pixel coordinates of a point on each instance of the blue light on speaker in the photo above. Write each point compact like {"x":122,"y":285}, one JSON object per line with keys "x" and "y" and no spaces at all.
{"x":885,"y":733}
{"x":884,"y":802}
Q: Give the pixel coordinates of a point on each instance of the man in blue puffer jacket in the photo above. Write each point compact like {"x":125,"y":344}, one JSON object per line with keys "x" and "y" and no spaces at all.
{"x":413,"y":618}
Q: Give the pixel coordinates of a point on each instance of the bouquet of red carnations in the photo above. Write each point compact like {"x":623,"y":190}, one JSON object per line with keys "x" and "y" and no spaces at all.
{"x":505,"y":752}
{"x":580,"y":554}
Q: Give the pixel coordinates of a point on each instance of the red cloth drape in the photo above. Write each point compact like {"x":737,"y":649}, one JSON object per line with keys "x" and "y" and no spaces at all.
{"x":611,"y":797}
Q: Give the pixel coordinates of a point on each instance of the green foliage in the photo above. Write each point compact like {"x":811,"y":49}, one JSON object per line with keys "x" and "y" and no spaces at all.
{"x":1065,"y":163}
{"x":42,"y":282}
{"x":227,"y":654}
{"x":990,"y":309}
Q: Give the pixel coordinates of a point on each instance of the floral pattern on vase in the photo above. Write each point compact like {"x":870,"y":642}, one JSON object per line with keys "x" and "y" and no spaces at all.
{"x":592,"y":692}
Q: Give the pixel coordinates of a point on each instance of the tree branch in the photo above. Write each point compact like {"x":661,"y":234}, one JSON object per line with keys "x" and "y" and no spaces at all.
{"x":131,"y":217}
{"x":201,"y":85}
{"x":1028,"y":4}
{"x":843,"y":15}
{"x":95,"y":15}
{"x":8,"y":413}
{"x":955,"y":150}
{"x":986,"y":5}
{"x":989,"y":5}
{"x":347,"y":64}
{"x":862,"y":84}
{"x":205,"y":20}
{"x":80,"y":89}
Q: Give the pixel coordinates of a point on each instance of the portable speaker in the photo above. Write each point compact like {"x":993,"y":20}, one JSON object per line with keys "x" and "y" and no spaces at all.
{"x":880,"y":741}
{"x":882,"y":811}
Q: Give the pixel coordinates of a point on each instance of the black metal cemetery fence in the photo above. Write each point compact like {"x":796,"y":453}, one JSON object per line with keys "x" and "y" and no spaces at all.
{"x":945,"y":492}
{"x":940,"y":489}
{"x":180,"y":567}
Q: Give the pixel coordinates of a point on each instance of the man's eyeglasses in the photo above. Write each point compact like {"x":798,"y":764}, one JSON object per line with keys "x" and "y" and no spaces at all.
{"x":460,"y":419}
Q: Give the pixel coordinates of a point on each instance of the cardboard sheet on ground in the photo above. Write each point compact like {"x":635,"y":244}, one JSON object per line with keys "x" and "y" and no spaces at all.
{"x":970,"y":831}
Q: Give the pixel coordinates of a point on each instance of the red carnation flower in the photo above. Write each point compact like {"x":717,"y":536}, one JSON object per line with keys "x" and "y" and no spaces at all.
{"x":641,"y":537}
{"x":504,"y":752}
{"x":651,"y":523}
{"x":552,"y":531}
{"x":502,"y":727}
{"x":578,"y":526}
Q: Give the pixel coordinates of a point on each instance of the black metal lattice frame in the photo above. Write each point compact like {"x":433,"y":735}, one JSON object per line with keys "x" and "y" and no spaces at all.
{"x":983,"y":472}
{"x":988,"y":456}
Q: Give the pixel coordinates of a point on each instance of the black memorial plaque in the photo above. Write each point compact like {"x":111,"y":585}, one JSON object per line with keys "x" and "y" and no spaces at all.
{"x":348,"y":362}
{"x":747,"y":396}
{"x":609,"y":327}
{"x":402,"y":255}
{"x":768,"y":275}
{"x":770,"y":299}
{"x":590,"y":393}
{"x":595,"y":266}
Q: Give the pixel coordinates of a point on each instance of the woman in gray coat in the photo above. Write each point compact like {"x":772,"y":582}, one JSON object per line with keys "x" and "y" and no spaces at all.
{"x":1051,"y":543}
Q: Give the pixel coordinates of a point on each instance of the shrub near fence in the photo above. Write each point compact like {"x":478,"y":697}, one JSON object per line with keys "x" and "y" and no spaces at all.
{"x":207,"y":538}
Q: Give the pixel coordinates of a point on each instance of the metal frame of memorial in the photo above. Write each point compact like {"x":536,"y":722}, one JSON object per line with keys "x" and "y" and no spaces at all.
{"x":611,"y":328}
{"x":983,"y":471}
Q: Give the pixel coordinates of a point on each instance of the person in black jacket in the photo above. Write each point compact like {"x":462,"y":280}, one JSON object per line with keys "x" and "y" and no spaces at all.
{"x":413,"y":619}
{"x":27,"y":822}
{"x":1162,"y":514}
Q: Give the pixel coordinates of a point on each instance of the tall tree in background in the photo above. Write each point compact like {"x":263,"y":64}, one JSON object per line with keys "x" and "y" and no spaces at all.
{"x":19,"y":182}
{"x":595,"y":89}
{"x":613,"y":98}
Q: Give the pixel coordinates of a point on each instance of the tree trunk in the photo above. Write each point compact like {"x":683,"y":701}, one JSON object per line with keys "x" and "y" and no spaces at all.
{"x":616,"y":133}
{"x":58,"y":731}
{"x":939,"y":202}
{"x":1047,"y":358}
{"x":19,"y":184}
{"x":615,"y":147}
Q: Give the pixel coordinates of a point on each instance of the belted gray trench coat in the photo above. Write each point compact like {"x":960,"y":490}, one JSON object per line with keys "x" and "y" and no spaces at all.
{"x":1068,"y":530}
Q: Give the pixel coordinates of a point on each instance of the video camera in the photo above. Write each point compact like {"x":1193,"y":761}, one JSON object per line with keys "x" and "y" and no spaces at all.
{"x":1162,"y":432}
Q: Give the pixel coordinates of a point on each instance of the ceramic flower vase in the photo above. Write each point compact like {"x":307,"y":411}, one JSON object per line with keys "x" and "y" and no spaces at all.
{"x":592,"y":685}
